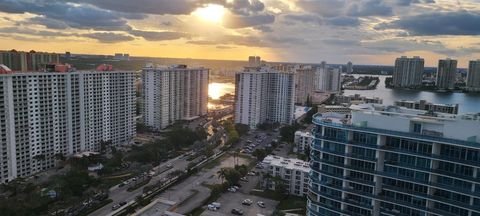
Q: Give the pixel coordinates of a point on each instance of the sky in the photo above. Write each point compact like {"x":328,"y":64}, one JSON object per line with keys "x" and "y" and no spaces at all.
{"x":308,"y":31}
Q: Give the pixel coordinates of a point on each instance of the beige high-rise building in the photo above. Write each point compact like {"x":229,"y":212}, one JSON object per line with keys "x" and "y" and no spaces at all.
{"x":27,"y":61}
{"x":304,"y":83}
{"x":173,"y":93}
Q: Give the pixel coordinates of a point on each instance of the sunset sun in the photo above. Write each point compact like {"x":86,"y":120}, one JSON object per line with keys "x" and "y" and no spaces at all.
{"x":211,"y":13}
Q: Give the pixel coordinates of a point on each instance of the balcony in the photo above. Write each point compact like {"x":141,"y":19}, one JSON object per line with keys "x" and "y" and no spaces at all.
{"x":318,"y":121}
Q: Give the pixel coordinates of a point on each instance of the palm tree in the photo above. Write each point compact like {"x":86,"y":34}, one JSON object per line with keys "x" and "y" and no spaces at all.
{"x":222,"y":173}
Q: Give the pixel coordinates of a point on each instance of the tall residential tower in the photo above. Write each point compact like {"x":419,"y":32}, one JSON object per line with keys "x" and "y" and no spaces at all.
{"x":473,"y":77}
{"x":408,"y":72}
{"x":446,"y":73}
{"x":387,"y":160}
{"x":47,"y":114}
{"x":264,"y":95}
{"x":173,"y":93}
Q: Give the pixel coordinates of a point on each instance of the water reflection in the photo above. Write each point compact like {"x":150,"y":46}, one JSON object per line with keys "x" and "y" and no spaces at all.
{"x":469,"y":102}
{"x":216,"y":90}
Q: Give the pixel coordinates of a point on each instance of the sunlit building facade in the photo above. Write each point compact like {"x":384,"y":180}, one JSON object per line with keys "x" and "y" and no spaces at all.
{"x":49,"y":114}
{"x":386,"y":160}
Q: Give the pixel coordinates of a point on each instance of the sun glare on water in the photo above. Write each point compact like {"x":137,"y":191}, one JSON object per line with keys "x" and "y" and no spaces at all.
{"x":211,"y":13}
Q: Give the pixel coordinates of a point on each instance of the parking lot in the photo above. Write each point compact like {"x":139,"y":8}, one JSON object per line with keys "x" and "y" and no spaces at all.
{"x":230,"y":201}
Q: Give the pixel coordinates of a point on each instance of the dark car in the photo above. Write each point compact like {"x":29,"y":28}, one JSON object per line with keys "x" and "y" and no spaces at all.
{"x":237,"y":212}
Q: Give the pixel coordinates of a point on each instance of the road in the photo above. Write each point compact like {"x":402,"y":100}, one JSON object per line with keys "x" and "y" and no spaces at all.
{"x":120,"y":194}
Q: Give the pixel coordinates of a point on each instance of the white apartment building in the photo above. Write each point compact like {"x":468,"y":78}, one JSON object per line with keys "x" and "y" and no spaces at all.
{"x":293,"y":172}
{"x":45,"y":114}
{"x":264,"y":95}
{"x":302,"y":141}
{"x":408,"y":72}
{"x":328,"y":79}
{"x":446,"y":71}
{"x":473,"y":77}
{"x":173,"y":93}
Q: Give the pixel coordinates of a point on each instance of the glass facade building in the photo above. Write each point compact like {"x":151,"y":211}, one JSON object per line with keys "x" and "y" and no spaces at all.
{"x":357,"y":169}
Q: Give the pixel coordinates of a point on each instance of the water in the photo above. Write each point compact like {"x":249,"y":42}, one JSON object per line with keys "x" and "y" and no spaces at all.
{"x":468,"y":102}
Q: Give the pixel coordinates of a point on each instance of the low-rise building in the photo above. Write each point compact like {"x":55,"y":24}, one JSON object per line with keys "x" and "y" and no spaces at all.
{"x":293,"y":172}
{"x":356,"y":99}
{"x":333,"y":108}
{"x":424,"y":105}
{"x":302,"y":141}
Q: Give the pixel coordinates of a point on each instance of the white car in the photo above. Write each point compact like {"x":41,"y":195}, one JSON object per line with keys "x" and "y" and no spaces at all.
{"x":211,"y":207}
{"x":233,"y":190}
{"x":261,"y":204}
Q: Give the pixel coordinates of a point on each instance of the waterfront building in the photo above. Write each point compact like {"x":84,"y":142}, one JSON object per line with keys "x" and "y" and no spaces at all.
{"x":304,"y":83}
{"x":264,"y":95}
{"x":408,"y":72}
{"x":473,"y":76}
{"x":302,"y":141}
{"x":387,"y":160}
{"x":328,"y":79}
{"x":27,"y":61}
{"x":46,"y":114}
{"x":172,"y":93}
{"x":349,"y":68}
{"x":322,"y":108}
{"x":356,"y":99}
{"x":292,"y":171}
{"x":446,"y":73}
{"x":424,"y":105}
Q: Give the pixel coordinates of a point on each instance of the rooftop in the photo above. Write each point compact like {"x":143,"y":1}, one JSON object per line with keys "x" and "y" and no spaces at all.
{"x":417,"y":124}
{"x":288,"y":163}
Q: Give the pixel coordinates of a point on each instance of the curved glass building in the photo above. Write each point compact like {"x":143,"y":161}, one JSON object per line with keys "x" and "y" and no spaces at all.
{"x":386,"y":160}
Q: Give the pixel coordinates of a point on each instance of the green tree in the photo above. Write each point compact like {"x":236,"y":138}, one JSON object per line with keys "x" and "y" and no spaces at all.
{"x":260,"y":154}
{"x":242,"y":129}
{"x":288,"y":132}
{"x":222,"y":173}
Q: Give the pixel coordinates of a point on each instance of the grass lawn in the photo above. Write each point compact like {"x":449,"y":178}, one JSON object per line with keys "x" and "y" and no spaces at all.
{"x":269,"y":194}
{"x":292,"y":202}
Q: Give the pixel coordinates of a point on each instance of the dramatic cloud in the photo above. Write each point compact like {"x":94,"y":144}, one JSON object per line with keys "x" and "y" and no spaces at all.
{"x":445,"y":23}
{"x":343,"y":21}
{"x":410,"y":2}
{"x":108,"y":37}
{"x":146,"y":6}
{"x":369,"y":8}
{"x":158,"y":36}
{"x":61,"y":15}
{"x":305,"y":18}
{"x":326,"y":8}
{"x":235,"y":21}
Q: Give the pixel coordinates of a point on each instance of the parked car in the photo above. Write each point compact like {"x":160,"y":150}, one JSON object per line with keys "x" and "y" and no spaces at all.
{"x":261,"y":204}
{"x":244,"y":179}
{"x":216,"y":204}
{"x":237,"y":212}
{"x":247,"y":202}
{"x":231,"y":189}
{"x":211,"y":207}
